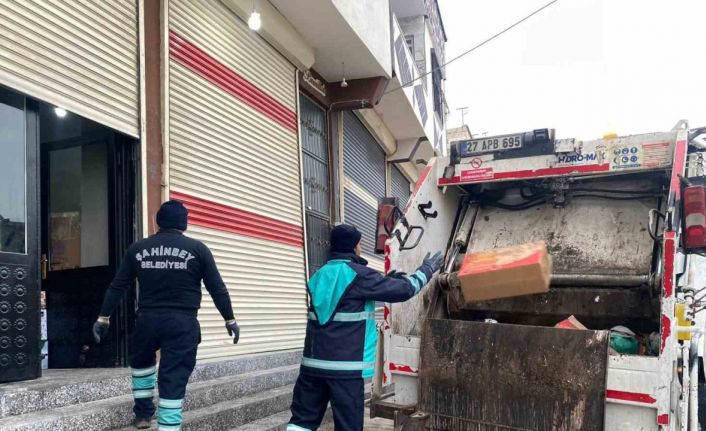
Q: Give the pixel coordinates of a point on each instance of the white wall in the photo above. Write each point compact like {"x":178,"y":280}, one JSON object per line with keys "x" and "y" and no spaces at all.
{"x":370,"y":19}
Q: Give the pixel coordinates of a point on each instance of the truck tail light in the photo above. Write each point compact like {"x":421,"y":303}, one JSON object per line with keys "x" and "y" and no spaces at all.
{"x":695,"y":216}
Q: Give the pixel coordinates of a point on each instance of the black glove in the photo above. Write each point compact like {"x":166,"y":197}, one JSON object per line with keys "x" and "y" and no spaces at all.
{"x":100,"y":330}
{"x":433,"y":262}
{"x":395,"y":274}
{"x":233,"y":330}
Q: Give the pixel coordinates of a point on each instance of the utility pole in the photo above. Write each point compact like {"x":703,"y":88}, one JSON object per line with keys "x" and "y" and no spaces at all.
{"x":463,"y":114}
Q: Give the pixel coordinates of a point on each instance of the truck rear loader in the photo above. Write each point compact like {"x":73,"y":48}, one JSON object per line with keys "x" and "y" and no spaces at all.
{"x":624,"y":221}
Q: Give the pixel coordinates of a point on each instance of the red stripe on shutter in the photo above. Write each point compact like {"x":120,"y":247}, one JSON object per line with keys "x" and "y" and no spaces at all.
{"x":230,"y":81}
{"x":229,"y":219}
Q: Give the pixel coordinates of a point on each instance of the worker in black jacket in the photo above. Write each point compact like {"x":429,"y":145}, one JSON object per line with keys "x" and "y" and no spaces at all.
{"x":341,"y":335}
{"x":169,"y":268}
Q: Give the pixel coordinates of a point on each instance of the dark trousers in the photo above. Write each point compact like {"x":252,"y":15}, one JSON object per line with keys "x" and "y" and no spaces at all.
{"x":177,"y":336}
{"x":312,"y":395}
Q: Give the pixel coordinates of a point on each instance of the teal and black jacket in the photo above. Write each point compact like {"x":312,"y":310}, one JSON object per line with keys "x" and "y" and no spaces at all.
{"x":341,"y":335}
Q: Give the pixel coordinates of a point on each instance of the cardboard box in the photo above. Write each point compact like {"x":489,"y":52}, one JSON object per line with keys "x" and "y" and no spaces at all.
{"x":570,"y":322}
{"x":505,"y":272}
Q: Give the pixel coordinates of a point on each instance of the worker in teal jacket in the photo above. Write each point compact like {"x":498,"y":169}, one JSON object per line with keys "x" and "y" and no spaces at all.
{"x":341,"y":336}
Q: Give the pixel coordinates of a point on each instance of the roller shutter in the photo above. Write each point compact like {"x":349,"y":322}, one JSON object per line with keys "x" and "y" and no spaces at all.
{"x":81,"y":55}
{"x":399,"y":186}
{"x":364,"y":176}
{"x":234,"y":161}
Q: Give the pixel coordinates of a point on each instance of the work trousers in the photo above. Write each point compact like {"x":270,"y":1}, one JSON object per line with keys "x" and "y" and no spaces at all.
{"x":312,"y":395}
{"x":177,"y":336}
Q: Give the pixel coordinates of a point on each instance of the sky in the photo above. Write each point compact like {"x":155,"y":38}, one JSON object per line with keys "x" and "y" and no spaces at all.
{"x":582,"y":67}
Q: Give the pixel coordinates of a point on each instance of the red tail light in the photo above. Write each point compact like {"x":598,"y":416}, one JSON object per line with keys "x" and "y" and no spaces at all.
{"x":695,"y":216}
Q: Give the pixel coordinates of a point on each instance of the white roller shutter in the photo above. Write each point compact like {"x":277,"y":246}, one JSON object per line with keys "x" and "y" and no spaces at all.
{"x":78,"y":54}
{"x":234,"y":160}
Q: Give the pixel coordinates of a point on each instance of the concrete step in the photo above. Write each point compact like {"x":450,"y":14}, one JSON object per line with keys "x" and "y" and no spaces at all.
{"x":116,"y":412}
{"x":60,"y":388}
{"x":277,"y":422}
{"x":227,"y":414}
{"x":224,"y":415}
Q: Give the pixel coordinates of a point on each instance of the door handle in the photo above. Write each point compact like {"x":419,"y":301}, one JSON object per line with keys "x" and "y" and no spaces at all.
{"x":45,"y":265}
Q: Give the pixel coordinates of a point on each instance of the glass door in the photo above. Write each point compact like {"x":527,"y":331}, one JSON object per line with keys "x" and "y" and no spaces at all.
{"x":19,"y":236}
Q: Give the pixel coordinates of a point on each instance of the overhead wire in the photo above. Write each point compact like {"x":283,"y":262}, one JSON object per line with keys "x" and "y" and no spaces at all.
{"x":485,"y":42}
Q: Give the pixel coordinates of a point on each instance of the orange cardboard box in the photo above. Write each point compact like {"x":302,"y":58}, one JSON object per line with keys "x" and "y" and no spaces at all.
{"x":570,"y":322}
{"x":504,"y":272}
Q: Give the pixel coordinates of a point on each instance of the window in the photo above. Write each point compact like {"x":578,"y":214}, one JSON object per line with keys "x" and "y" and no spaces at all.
{"x":13,"y":205}
{"x":410,"y":43}
{"x":438,"y":95}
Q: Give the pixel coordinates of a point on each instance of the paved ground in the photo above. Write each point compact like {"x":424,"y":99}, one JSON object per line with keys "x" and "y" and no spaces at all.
{"x":370,"y":424}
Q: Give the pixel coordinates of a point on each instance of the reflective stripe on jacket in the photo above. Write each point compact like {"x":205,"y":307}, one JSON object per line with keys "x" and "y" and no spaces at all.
{"x":341,"y":333}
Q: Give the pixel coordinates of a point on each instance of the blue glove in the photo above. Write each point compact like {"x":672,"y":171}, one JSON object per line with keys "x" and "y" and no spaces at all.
{"x":433,"y":263}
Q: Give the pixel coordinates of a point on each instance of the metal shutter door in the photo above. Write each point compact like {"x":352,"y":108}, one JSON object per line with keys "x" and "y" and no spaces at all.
{"x":81,"y":55}
{"x":364,"y":170}
{"x":400,"y":186}
{"x":234,"y":160}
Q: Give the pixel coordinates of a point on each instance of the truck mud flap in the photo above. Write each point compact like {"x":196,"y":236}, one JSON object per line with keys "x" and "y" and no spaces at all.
{"x":497,"y":377}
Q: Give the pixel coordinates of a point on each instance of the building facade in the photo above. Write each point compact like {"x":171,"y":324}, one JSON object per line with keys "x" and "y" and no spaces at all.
{"x":270,"y":137}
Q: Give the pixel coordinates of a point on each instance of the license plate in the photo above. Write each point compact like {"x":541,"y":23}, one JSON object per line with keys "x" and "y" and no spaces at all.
{"x":492,"y":144}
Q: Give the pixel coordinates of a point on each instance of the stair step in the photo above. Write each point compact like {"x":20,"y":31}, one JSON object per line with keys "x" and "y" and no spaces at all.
{"x":276,"y":422}
{"x":247,"y":409}
{"x":279,"y":421}
{"x":60,"y":388}
{"x":116,"y":412}
{"x":226,"y":414}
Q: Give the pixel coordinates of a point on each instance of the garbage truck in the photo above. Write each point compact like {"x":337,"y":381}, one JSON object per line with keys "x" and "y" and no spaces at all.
{"x":624,"y":221}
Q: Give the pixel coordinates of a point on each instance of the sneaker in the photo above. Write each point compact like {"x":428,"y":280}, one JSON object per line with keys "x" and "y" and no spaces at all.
{"x":142,"y":423}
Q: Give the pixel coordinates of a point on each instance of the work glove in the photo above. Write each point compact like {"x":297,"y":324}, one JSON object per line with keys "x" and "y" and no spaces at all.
{"x":101,"y":328}
{"x":433,"y":263}
{"x":233,"y":330}
{"x":396,"y":274}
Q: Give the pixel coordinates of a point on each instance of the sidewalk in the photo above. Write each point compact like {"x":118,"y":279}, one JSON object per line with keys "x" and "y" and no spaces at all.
{"x":377,"y":424}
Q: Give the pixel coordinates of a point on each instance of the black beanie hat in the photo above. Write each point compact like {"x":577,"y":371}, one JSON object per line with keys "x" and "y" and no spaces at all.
{"x":344,"y":238}
{"x":172,"y":215}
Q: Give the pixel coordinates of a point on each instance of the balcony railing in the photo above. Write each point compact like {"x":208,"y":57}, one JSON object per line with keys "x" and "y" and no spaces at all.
{"x":409,"y":76}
